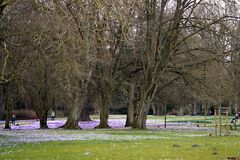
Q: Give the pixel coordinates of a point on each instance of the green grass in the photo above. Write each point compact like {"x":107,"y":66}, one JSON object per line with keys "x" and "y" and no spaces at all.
{"x":2,"y":137}
{"x":200,"y":120}
{"x":170,"y":145}
{"x":173,"y":118}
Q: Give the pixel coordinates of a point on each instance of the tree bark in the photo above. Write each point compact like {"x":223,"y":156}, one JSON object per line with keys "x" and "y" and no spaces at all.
{"x":195,"y":108}
{"x":43,"y":109}
{"x":141,"y":115}
{"x":165,"y":115}
{"x":130,"y":113}
{"x":182,"y":110}
{"x":205,"y":113}
{"x":43,"y":120}
{"x":85,"y":114}
{"x":160,"y":109}
{"x":140,"y":118}
{"x":5,"y":105}
{"x":104,"y":112}
{"x":235,"y":109}
{"x":42,"y":114}
{"x":2,"y":105}
{"x":73,"y":118}
{"x":154,"y":109}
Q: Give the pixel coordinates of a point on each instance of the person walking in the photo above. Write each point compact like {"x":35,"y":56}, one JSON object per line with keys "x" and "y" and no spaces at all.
{"x":14,"y":119}
{"x":53,"y":116}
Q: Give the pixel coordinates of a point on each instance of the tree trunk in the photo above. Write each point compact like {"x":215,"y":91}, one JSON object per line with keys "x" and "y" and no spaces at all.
{"x":205,"y":113}
{"x":236,"y":90}
{"x":130,"y":113}
{"x":165,"y":115}
{"x":160,"y":110}
{"x":104,"y":112}
{"x":141,"y":116}
{"x":235,"y":110}
{"x":154,"y":109}
{"x":43,"y":106}
{"x":85,"y":114}
{"x":72,"y":120}
{"x":43,"y":120}
{"x":42,"y":115}
{"x":2,"y":104}
{"x":181,"y":111}
{"x":5,"y":105}
{"x":195,"y":108}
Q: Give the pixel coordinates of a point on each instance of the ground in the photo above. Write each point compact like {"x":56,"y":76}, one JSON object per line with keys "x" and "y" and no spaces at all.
{"x":184,"y":138}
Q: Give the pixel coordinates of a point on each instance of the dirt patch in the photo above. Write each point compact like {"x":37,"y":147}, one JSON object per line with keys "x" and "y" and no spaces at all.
{"x":176,"y":146}
{"x":195,"y":145}
{"x":233,"y":158}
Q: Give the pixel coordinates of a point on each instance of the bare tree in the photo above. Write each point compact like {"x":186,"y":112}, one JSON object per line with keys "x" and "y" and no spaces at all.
{"x":166,"y":29}
{"x":15,"y":40}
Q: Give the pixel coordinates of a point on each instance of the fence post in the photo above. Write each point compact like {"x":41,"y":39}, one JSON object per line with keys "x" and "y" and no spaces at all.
{"x":215,"y":121}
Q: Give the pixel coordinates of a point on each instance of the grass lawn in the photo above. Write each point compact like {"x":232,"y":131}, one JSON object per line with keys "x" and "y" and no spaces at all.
{"x":169,"y":145}
{"x":173,"y":118}
{"x":127,"y":144}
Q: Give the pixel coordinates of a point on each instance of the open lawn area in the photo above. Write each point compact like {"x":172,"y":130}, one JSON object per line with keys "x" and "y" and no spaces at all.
{"x":180,"y":140}
{"x":150,"y":145}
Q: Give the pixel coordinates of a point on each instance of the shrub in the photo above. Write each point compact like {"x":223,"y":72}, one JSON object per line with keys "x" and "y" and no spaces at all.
{"x":25,"y":114}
